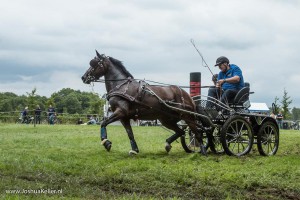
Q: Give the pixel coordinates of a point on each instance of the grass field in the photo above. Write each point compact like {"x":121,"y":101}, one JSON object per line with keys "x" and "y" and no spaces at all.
{"x":67,"y":161}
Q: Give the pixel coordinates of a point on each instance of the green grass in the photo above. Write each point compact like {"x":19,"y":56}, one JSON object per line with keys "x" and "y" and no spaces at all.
{"x":70,"y":158}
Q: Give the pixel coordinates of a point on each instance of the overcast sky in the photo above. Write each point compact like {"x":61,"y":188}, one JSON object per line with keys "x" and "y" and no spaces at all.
{"x":48,"y":44}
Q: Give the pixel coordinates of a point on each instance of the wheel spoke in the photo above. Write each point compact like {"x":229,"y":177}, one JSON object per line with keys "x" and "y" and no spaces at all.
{"x":230,"y":139}
{"x":233,"y":130}
{"x":240,"y":131}
{"x":233,"y":147}
{"x":231,"y":134}
{"x":271,"y":147}
{"x":242,"y":144}
{"x":192,"y":142}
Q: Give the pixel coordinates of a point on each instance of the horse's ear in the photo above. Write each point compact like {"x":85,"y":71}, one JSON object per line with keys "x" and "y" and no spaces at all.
{"x":99,"y":56}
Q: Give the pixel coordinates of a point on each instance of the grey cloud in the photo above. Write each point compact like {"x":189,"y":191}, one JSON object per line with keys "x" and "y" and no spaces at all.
{"x":152,"y":39}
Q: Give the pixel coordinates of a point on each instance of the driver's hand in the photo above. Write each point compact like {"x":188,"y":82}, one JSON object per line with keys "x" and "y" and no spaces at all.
{"x":220,"y":82}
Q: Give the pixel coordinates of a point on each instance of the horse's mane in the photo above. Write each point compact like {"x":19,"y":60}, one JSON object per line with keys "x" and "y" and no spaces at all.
{"x":121,"y":66}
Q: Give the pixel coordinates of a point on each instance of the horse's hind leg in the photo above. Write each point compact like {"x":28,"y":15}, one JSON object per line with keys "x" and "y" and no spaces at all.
{"x":178,"y":132}
{"x":127,"y":126}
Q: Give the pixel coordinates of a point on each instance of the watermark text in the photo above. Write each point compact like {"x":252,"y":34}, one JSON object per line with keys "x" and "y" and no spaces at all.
{"x":34,"y":191}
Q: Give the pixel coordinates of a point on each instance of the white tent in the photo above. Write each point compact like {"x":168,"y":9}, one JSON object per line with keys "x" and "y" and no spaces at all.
{"x":259,"y":107}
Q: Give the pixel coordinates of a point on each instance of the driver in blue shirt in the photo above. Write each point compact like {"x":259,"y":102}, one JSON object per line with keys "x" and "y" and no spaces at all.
{"x":230,"y":80}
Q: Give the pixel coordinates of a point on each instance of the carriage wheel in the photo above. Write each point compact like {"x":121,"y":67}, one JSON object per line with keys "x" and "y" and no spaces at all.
{"x":190,"y":143}
{"x":268,"y":139}
{"x":216,"y":144}
{"x":237,"y":136}
{"x":19,"y":121}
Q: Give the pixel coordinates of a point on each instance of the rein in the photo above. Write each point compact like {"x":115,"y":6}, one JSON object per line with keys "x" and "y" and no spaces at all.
{"x":158,"y":83}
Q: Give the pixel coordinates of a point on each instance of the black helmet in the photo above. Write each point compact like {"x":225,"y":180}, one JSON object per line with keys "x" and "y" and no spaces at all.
{"x":221,"y":60}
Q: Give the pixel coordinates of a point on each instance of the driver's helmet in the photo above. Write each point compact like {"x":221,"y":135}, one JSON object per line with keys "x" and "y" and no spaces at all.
{"x":221,"y":60}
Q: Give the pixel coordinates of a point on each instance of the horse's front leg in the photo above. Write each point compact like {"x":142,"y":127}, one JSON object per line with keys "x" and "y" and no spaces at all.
{"x":134,"y":148}
{"x":103,"y":133}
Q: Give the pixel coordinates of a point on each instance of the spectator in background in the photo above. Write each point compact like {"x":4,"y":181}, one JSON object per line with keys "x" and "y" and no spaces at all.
{"x":279,"y":119}
{"x":273,"y":115}
{"x":96,"y":118}
{"x":91,"y":121}
{"x":51,"y":115}
{"x":37,"y":113}
{"x":25,"y":115}
{"x":79,"y":121}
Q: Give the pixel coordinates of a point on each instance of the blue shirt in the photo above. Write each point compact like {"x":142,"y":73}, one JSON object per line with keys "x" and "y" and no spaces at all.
{"x":24,"y":113}
{"x":233,"y":71}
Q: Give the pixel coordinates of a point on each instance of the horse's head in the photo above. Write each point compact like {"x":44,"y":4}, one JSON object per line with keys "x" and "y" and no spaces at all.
{"x":96,"y":70}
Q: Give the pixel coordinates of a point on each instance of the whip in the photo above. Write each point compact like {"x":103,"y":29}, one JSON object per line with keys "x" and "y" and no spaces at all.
{"x":204,"y":64}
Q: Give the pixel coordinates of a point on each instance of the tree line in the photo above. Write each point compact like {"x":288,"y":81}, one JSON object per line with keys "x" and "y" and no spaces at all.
{"x":282,"y":105}
{"x":76,"y":102}
{"x":64,"y":101}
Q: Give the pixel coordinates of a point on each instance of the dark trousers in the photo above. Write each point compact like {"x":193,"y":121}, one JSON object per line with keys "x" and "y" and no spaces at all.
{"x":280,"y":123}
{"x":38,"y":119}
{"x":51,"y":119}
{"x":227,"y":95}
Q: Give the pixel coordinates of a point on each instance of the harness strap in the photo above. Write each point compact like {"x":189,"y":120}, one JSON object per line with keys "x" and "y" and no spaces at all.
{"x":120,"y":94}
{"x":142,"y":85}
{"x":128,"y":81}
{"x":127,"y":97}
{"x":180,"y":109}
{"x":167,"y":102}
{"x":183,"y":104}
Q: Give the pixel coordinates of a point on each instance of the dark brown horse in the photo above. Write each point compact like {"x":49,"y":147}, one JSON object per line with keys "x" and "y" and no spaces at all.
{"x":131,"y":99}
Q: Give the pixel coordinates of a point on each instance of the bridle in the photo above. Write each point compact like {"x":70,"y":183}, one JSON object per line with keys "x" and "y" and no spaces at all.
{"x":101,"y":59}
{"x":91,"y":78}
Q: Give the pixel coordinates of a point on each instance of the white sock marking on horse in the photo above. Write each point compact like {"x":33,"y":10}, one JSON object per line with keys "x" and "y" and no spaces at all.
{"x":103,"y":141}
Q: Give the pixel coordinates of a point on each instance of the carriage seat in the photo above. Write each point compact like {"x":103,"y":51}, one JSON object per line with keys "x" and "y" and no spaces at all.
{"x":242,"y":97}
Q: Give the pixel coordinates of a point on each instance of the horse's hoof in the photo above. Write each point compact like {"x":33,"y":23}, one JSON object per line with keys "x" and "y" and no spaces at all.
{"x":108,"y":147}
{"x":107,"y":144}
{"x":132,"y":152}
{"x":168,"y":147}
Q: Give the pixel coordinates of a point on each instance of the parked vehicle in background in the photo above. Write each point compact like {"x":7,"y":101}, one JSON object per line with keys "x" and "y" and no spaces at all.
{"x":295,"y":125}
{"x":27,"y":120}
{"x":149,"y":123}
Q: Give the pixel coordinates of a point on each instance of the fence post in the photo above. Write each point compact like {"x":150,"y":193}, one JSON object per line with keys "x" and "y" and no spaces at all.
{"x":34,"y":119}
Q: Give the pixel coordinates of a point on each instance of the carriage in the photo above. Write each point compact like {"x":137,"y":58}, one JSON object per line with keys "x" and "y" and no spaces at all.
{"x":200,"y":122}
{"x":234,"y":129}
